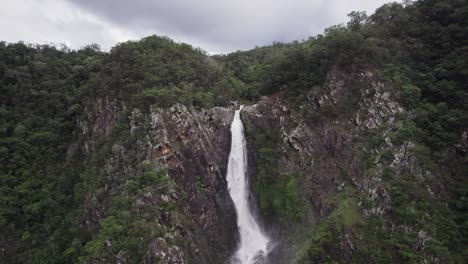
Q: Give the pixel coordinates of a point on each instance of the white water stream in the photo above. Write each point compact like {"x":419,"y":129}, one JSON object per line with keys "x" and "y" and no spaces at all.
{"x":253,"y":244}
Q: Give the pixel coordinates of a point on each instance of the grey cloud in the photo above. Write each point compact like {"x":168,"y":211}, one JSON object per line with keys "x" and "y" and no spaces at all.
{"x":227,"y":24}
{"x":57,"y":22}
{"x":213,"y":25}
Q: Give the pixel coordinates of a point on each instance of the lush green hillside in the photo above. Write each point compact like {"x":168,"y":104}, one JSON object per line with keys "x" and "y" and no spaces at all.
{"x":419,"y":49}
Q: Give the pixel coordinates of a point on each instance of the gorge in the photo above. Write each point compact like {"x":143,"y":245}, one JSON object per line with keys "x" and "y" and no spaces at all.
{"x":350,"y":148}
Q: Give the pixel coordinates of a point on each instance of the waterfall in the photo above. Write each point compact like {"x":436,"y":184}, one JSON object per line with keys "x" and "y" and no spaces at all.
{"x":253,"y":244}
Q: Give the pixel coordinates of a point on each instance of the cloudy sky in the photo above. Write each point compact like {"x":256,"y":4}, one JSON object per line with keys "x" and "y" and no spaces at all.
{"x":217,"y":26}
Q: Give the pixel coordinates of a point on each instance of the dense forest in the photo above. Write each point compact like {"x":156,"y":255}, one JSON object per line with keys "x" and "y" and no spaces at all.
{"x":419,"y":48}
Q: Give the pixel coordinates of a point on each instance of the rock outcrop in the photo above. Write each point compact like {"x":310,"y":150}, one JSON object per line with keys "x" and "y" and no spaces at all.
{"x":327,"y":142}
{"x":339,"y":143}
{"x":192,"y":146}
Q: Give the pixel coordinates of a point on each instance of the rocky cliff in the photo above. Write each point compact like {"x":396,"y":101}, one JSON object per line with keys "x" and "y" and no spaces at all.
{"x":357,"y":144}
{"x":351,"y":163}
{"x":330,"y":175}
{"x":192,"y":220}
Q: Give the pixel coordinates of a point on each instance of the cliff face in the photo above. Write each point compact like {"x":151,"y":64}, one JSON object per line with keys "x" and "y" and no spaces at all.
{"x":323,"y":148}
{"x":351,"y":164}
{"x":334,"y":178}
{"x":191,"y":219}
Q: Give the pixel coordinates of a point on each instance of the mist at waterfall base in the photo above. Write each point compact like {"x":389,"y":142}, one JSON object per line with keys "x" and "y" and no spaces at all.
{"x":253,"y":244}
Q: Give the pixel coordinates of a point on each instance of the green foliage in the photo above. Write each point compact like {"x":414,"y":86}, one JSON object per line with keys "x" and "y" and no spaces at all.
{"x":411,"y":95}
{"x":283,"y":198}
{"x":415,"y":207}
{"x":406,"y":132}
{"x":324,"y":244}
{"x":420,"y":52}
{"x":387,"y":238}
{"x":277,"y":193}
{"x":158,"y":71}
{"x":124,"y":229}
{"x":43,"y":91}
{"x":253,"y":70}
{"x":41,"y":95}
{"x":151,"y":177}
{"x":347,"y":212}
{"x":418,"y":48}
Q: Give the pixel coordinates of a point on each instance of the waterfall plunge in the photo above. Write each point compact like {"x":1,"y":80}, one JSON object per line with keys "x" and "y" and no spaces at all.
{"x":253,"y":245}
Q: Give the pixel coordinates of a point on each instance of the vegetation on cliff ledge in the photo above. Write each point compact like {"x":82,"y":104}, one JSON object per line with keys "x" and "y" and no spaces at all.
{"x":419,"y":48}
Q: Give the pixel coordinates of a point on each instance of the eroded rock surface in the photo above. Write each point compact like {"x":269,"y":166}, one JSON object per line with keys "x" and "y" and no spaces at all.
{"x":329,"y":151}
{"x":192,"y":146}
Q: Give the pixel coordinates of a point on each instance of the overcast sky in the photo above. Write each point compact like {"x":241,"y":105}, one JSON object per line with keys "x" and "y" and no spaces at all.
{"x":217,"y":26}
